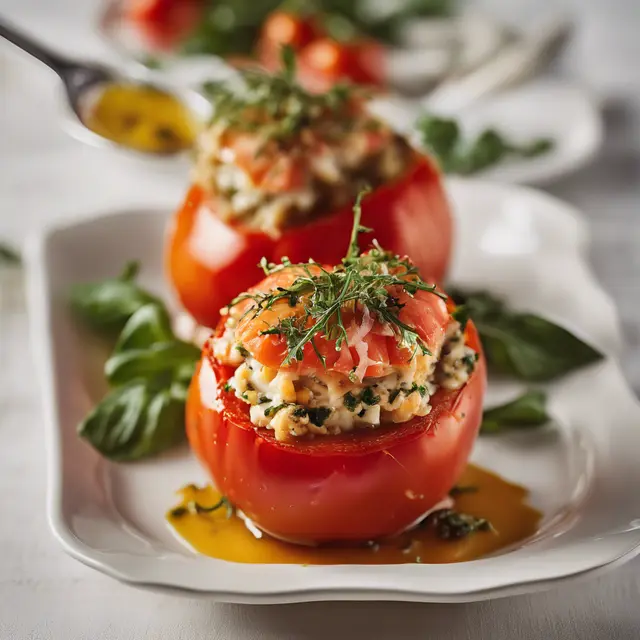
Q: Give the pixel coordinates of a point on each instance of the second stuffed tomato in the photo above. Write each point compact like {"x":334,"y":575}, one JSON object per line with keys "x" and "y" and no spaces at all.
{"x":276,"y":174}
{"x":338,"y":403}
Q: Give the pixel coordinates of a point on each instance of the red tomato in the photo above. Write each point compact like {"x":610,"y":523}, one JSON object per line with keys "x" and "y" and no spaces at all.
{"x":359,"y":486}
{"x":163,"y":23}
{"x":282,"y":29}
{"x":209,"y":261}
{"x":326,"y":62}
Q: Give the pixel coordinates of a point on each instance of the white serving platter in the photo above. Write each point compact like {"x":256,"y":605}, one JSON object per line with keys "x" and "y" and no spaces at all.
{"x":581,"y":470}
{"x":547,"y":108}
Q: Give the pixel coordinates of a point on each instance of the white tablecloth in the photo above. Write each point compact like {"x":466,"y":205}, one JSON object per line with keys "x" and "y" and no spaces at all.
{"x":45,"y":176}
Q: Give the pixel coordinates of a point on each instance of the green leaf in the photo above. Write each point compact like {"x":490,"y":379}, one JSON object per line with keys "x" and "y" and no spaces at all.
{"x":489,"y":148}
{"x":442,"y":138}
{"x":149,"y":370}
{"x":534,"y":349}
{"x":134,"y":421}
{"x":524,"y":345}
{"x":9,"y":255}
{"x":439,"y":135}
{"x":108,"y":304}
{"x":288,"y":58}
{"x":528,"y":410}
{"x":148,"y":325}
{"x":156,"y":360}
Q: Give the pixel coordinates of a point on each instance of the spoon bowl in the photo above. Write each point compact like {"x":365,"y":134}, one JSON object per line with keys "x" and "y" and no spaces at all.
{"x":83,"y":85}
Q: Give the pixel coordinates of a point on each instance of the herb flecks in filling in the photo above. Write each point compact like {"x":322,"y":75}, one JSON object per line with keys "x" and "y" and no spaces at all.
{"x":276,"y":156}
{"x":316,"y":313}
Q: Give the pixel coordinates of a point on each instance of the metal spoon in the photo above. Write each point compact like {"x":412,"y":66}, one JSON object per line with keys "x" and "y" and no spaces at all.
{"x":82,"y":80}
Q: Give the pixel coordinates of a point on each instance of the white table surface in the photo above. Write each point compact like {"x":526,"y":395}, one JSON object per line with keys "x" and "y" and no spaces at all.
{"x":46,"y":176}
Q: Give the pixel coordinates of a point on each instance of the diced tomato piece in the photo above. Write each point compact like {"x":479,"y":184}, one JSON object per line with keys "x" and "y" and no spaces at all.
{"x":164,"y":23}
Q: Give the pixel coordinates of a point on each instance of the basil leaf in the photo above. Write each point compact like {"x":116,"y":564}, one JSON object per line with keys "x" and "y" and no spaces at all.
{"x":528,"y":410}
{"x":439,"y":135}
{"x":523,"y":345}
{"x":148,"y":325}
{"x":134,"y":421}
{"x":163,"y":427}
{"x":442,"y":137}
{"x":155,"y":360}
{"x":534,"y":349}
{"x":107,"y":305}
{"x":149,"y":371}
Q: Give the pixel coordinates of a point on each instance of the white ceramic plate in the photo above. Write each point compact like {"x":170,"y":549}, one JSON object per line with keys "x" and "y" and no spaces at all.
{"x":547,"y":108}
{"x":582,"y":470}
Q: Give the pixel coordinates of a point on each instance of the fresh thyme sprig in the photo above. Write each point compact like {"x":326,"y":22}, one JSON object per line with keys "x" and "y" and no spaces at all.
{"x":275,"y":104}
{"x":363,"y":281}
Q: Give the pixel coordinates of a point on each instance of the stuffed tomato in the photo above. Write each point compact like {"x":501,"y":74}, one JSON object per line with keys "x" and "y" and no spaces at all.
{"x":276,"y":174}
{"x":338,"y":403}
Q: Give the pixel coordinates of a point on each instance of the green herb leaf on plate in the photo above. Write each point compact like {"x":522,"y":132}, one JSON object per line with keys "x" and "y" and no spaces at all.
{"x":107,"y":305}
{"x":149,"y":325}
{"x":443,"y":139}
{"x":134,"y":421}
{"x":149,"y":371}
{"x":528,"y":410}
{"x":155,"y":360}
{"x":452,"y":525}
{"x":8,"y":255}
{"x":524,"y":345}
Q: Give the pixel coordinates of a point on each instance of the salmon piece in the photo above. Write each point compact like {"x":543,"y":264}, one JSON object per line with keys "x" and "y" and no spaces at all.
{"x":371,"y":347}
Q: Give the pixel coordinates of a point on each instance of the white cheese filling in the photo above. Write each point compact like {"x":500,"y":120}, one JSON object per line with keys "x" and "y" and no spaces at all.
{"x":328,"y":404}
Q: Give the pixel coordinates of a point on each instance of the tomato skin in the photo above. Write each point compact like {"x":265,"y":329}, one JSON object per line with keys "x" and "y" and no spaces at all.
{"x":359,"y":486}
{"x":164,"y":23}
{"x":209,"y":262}
{"x":326,"y":62}
{"x":283,"y":28}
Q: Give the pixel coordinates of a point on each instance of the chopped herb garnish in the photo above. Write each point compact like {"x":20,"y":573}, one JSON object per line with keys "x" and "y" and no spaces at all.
{"x":300,"y":412}
{"x":350,"y":401}
{"x":368,"y":397}
{"x":469,"y":361}
{"x":263,"y":400}
{"x":318,"y":415}
{"x":275,"y":104}
{"x":242,"y":351}
{"x":227,"y":387}
{"x":271,"y":411}
{"x":393,"y":395}
{"x":461,"y":314}
{"x":272,"y":331}
{"x":361,"y":282}
{"x":196,"y":508}
{"x":451,"y":525}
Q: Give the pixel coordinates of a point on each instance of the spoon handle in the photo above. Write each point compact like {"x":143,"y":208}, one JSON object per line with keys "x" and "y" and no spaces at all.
{"x":52,"y":60}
